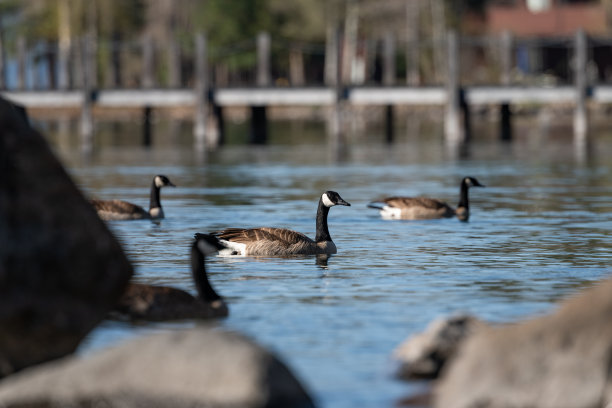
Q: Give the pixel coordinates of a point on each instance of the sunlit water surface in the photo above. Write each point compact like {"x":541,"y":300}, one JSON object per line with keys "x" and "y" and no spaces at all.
{"x":538,"y":233}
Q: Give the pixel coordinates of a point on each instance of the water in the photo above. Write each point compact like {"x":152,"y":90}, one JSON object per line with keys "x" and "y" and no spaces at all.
{"x":538,"y":233}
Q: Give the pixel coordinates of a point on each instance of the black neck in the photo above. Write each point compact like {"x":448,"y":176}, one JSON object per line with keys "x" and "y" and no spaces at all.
{"x":205,"y":290}
{"x":463,"y":196}
{"x":154,"y":201}
{"x":322,"y":231}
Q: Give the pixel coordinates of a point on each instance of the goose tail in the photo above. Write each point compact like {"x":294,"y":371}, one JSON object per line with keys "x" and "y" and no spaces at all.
{"x":376,"y":204}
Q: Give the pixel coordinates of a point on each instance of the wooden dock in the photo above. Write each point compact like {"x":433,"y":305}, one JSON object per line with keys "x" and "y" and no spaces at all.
{"x":452,"y":95}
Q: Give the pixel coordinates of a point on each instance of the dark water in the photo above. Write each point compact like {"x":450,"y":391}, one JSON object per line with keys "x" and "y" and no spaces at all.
{"x":539,"y":232}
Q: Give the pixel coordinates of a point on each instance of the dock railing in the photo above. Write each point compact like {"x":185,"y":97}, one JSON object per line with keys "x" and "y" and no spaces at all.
{"x":478,"y":71}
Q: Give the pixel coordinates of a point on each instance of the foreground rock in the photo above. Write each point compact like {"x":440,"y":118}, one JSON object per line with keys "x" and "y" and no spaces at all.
{"x":424,"y":355}
{"x":560,"y":360}
{"x":195,"y":368}
{"x":60,"y":268}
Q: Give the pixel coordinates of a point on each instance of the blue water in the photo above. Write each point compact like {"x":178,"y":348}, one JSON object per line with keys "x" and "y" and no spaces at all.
{"x":538,"y":233}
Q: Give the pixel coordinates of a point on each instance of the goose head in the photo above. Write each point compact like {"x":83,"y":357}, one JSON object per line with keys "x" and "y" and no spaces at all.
{"x":472,"y":182}
{"x":162,"y":181}
{"x":208,"y":244}
{"x":331,"y":198}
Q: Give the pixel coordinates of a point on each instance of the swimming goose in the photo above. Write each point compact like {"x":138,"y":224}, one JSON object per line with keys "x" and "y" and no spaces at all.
{"x":156,"y":303}
{"x":282,"y":241}
{"x":123,"y":210}
{"x":420,"y":208}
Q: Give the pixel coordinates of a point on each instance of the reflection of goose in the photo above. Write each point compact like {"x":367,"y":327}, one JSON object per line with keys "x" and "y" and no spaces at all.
{"x":281,"y":241}
{"x":122,"y":210}
{"x":148,"y":302}
{"x":420,"y":208}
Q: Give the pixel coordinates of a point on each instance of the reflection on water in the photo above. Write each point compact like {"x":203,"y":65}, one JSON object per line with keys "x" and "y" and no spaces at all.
{"x":539,"y":232}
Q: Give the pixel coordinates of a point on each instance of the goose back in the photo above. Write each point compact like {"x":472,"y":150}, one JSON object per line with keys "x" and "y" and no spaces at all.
{"x":270,"y":241}
{"x":119,"y":210}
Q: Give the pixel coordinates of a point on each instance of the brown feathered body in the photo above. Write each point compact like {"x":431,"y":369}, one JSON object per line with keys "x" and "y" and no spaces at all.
{"x":149,"y":302}
{"x":119,"y":210}
{"x":417,"y":208}
{"x":272,"y":241}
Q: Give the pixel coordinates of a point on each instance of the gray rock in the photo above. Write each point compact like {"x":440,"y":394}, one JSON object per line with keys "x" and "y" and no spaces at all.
{"x":193,"y":368}
{"x":556,"y":361}
{"x":61,"y":270}
{"x":424,"y":355}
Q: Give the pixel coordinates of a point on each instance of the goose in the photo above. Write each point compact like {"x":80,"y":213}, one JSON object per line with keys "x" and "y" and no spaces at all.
{"x":157,"y":303}
{"x":123,"y":210}
{"x":282,"y":241}
{"x":420,"y":208}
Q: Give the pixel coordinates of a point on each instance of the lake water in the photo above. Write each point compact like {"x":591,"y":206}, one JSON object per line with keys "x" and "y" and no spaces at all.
{"x":538,"y":232}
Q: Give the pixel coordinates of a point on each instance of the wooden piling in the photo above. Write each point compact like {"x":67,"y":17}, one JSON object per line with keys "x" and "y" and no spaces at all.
{"x":506,"y":73}
{"x":413,"y":75}
{"x":331,"y":57}
{"x":201,"y":89}
{"x":334,"y":127}
{"x":174,"y":63}
{"x":147,"y":126}
{"x":21,"y":63}
{"x":580,"y":84}
{"x":389,"y":80}
{"x":87,"y":125}
{"x":263,"y":59}
{"x":148,"y":80}
{"x":259,"y":125}
{"x":453,"y":131}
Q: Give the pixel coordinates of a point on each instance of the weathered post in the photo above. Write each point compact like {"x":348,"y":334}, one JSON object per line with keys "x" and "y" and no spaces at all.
{"x":259,"y":121}
{"x":174,"y":63}
{"x":21,"y":63}
{"x":335,"y":115}
{"x":453,"y":130}
{"x":506,"y":72}
{"x":580,"y":83}
{"x":201,"y":90}
{"x":389,"y":79}
{"x":413,"y":75}
{"x":263,"y":59}
{"x":64,"y":45}
{"x":331,"y":57}
{"x":147,"y":138}
{"x":87,"y":126}
{"x":147,"y":62}
{"x":148,"y":82}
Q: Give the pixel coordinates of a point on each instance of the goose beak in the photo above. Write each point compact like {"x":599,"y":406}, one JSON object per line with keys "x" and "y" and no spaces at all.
{"x":171,"y":184}
{"x":342,"y":202}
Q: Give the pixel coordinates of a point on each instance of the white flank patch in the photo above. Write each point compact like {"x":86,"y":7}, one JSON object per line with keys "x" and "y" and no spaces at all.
{"x":326,"y":201}
{"x":158,"y":182}
{"x":206,"y":248}
{"x":233,"y":248}
{"x":156,"y":212}
{"x":389,"y":213}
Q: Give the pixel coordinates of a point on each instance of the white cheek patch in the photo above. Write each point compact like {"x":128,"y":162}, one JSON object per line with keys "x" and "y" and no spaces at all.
{"x":158,"y":182}
{"x":326,"y":201}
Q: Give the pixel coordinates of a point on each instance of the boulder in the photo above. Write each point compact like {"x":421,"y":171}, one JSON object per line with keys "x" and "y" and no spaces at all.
{"x":200,"y":367}
{"x":61,"y":269}
{"x":424,"y":355}
{"x":559,"y":360}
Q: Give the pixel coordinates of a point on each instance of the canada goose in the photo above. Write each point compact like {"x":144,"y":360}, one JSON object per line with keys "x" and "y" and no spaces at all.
{"x":123,"y":210}
{"x":420,"y":208}
{"x":282,"y":241}
{"x":149,"y":302}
